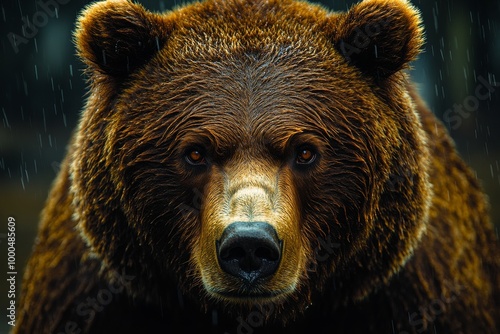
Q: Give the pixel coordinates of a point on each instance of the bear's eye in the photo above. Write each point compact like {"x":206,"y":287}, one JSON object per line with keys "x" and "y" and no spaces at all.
{"x":305,"y":156}
{"x":195,"y":157}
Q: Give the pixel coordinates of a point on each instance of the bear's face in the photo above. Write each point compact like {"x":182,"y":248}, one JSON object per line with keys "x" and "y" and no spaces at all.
{"x":251,"y":152}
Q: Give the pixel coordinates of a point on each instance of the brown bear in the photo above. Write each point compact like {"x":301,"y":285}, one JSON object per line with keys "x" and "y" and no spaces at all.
{"x":259,"y":166}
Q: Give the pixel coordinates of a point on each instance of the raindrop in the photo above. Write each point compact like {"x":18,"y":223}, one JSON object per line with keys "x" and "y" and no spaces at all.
{"x":44,"y":120}
{"x":215,"y":318}
{"x":36,"y":72}
{"x":434,"y":13}
{"x":22,"y":175}
{"x":36,"y":168}
{"x":180,"y":298}
{"x":20,"y":10}
{"x":5,"y":120}
{"x":25,"y":85}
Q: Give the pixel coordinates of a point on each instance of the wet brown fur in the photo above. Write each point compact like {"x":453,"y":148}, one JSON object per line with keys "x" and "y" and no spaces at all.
{"x":250,"y":82}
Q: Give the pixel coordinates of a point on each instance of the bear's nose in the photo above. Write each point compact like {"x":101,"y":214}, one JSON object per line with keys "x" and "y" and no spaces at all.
{"x":249,"y":250}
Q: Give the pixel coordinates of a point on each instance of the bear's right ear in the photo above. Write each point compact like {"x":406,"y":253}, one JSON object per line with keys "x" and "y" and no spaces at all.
{"x":380,"y":37}
{"x":115,"y":37}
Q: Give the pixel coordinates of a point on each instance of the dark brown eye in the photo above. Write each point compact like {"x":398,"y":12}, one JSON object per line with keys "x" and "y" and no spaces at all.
{"x":195,"y":157}
{"x":305,"y":156}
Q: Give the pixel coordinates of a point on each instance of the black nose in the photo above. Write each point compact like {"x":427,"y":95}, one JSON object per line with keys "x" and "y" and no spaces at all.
{"x":249,"y":250}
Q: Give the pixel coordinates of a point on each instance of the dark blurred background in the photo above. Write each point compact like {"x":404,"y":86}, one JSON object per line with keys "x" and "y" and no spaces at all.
{"x":42,"y":94}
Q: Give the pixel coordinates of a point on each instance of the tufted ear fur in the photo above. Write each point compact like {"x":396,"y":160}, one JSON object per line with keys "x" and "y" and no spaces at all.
{"x":380,"y":37}
{"x":115,"y":37}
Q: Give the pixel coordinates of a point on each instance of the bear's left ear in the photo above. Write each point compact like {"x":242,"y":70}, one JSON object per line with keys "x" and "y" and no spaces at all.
{"x":115,"y":37}
{"x":380,"y":37}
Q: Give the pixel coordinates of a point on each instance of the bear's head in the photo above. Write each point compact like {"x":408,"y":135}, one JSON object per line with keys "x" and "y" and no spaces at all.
{"x":251,"y":152}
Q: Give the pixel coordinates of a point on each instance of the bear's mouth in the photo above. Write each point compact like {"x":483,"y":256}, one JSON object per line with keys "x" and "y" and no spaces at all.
{"x":247,"y":294}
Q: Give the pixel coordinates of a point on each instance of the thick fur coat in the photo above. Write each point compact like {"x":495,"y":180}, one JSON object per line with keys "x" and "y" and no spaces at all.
{"x":253,"y":110}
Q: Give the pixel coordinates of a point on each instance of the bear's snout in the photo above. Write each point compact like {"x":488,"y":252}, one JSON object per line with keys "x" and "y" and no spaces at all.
{"x":250,"y":246}
{"x":249,"y":251}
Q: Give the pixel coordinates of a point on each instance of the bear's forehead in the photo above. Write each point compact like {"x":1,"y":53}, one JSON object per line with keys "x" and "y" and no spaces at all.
{"x":265,"y":67}
{"x":218,"y":27}
{"x":252,"y":52}
{"x":251,"y":92}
